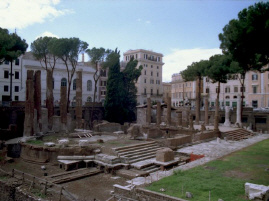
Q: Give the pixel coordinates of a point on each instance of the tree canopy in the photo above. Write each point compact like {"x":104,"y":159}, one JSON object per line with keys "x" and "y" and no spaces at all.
{"x":246,"y":38}
{"x":120,"y":99}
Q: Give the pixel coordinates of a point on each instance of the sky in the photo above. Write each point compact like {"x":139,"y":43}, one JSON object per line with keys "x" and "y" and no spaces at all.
{"x":184,"y":31}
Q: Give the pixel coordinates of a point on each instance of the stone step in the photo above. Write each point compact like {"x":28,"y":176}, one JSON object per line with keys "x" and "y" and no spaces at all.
{"x":153,"y":170}
{"x":138,"y":152}
{"x":139,"y":149}
{"x":136,"y":148}
{"x":119,"y":149}
{"x":152,"y":154}
{"x":141,"y":159}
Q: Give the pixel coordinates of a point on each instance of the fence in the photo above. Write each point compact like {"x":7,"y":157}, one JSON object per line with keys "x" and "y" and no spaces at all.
{"x":38,"y":183}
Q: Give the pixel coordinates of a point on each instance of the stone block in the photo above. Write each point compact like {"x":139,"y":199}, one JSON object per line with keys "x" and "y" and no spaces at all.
{"x":165,"y":155}
{"x":256,"y":192}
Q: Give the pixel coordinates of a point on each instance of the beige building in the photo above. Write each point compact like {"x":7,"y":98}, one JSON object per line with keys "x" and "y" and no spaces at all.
{"x":149,"y":84}
{"x":166,"y":90}
{"x":181,"y":90}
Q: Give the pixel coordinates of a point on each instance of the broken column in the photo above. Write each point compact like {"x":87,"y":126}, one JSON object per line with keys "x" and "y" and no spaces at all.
{"x":49,"y":98}
{"x":29,"y":105}
{"x":148,"y":111}
{"x":238,"y":112}
{"x":179,"y":118}
{"x":158,"y":113}
{"x":63,"y":107}
{"x":79,"y":100}
{"x":168,"y":115}
{"x":227,"y":122}
{"x":185,"y":117}
{"x":206,"y":109}
{"x":37,"y":99}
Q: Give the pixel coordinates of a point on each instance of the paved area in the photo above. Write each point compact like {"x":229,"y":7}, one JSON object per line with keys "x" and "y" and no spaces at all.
{"x":212,"y":150}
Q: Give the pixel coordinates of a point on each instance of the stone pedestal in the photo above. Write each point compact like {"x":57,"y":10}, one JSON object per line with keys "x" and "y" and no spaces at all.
{"x":79,"y":100}
{"x":165,"y":155}
{"x":148,"y":111}
{"x":227,"y":122}
{"x":158,"y":113}
{"x":168,"y":115}
{"x":206,"y":109}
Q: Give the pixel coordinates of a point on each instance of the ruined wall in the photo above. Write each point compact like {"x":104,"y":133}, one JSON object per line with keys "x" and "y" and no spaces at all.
{"x":177,"y":141}
{"x":141,"y":194}
{"x":205,"y":136}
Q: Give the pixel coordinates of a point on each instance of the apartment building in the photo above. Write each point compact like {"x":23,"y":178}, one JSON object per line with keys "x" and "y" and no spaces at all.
{"x":149,"y":84}
{"x":166,"y":90}
{"x":181,"y":90}
{"x":28,"y":62}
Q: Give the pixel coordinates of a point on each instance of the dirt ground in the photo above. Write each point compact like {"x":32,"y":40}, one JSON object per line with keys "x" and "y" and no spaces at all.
{"x":97,"y":187}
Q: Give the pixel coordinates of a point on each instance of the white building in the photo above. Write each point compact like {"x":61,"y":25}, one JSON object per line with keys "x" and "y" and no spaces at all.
{"x":150,"y":81}
{"x":27,"y":62}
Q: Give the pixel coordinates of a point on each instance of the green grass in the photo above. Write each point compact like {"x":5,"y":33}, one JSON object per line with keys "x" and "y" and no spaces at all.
{"x":224,"y":178}
{"x":35,"y":142}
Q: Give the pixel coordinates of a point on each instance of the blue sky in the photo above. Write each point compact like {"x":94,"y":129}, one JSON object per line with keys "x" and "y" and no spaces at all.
{"x":183,"y":31}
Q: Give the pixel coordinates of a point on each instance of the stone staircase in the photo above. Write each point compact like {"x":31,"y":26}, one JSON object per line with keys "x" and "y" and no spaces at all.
{"x":138,"y":152}
{"x":151,"y":168}
{"x":238,"y":134}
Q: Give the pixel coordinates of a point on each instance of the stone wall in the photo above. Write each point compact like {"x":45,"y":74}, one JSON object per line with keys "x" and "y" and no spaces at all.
{"x":11,"y":192}
{"x":205,"y":136}
{"x":140,"y":194}
{"x":177,"y":141}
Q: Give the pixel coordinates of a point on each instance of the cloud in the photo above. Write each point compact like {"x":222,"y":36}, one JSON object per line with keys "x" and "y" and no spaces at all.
{"x":23,"y":13}
{"x":148,"y":22}
{"x":178,"y":60}
{"x":47,"y":33}
{"x":143,"y":21}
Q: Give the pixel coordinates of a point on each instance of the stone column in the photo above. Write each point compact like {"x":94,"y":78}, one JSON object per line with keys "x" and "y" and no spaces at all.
{"x":29,"y":105}
{"x":206,"y":109}
{"x":158,"y":113}
{"x":148,"y":111}
{"x":227,"y":122}
{"x":191,"y":121}
{"x":238,"y":111}
{"x":79,"y":100}
{"x":63,"y":107}
{"x":37,"y":86}
{"x":185,"y":117}
{"x":168,"y":115}
{"x":49,"y":98}
{"x":216,"y":120}
{"x":179,"y":118}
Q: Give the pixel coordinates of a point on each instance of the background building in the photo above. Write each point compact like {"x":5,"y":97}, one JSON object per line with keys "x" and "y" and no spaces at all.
{"x":150,"y":81}
{"x":166,"y":90}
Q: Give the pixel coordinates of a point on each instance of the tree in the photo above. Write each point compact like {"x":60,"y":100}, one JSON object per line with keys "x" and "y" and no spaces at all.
{"x":97,"y":56}
{"x":68,"y":50}
{"x":120,"y":99}
{"x":196,"y":71}
{"x":15,"y":47}
{"x":41,"y":51}
{"x":5,"y":43}
{"x":130,"y":75}
{"x":217,"y":71}
{"x":246,"y":39}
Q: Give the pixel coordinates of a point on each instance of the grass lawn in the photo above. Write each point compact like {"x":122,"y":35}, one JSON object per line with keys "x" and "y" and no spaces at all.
{"x":224,"y":178}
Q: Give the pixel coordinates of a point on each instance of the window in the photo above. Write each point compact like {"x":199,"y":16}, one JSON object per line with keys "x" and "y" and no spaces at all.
{"x":255,"y":77}
{"x":6,"y":74}
{"x":74,"y":84}
{"x":145,"y":91}
{"x":6,"y":62}
{"x":234,"y":104}
{"x":89,"y":85}
{"x":158,"y":59}
{"x":151,"y":81}
{"x":151,"y":91}
{"x":157,"y":67}
{"x":103,"y":73}
{"x":16,"y":98}
{"x":5,"y":88}
{"x":260,"y":120}
{"x":17,"y":62}
{"x":212,"y":104}
{"x":242,"y":89}
{"x":236,"y":89}
{"x":151,"y":66}
{"x":227,"y":97}
{"x":227,"y":103}
{"x":227,"y":89}
{"x":63,"y":82}
{"x":151,"y":73}
{"x":157,"y":91}
{"x":207,"y":90}
{"x":255,"y":103}
{"x":145,"y":72}
{"x":145,"y":80}
{"x":254,"y":89}
{"x":17,"y":75}
{"x":103,"y":93}
{"x":207,"y":79}
{"x":16,"y":88}
{"x":157,"y":74}
{"x":235,"y":97}
{"x":89,"y":99}
{"x":126,"y":58}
